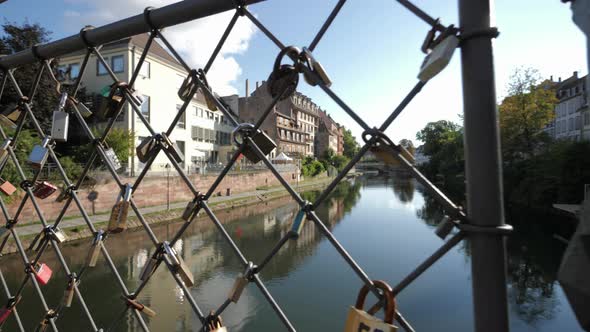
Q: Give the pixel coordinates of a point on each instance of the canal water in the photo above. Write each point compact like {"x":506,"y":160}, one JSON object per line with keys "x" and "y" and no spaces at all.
{"x":385,"y":224}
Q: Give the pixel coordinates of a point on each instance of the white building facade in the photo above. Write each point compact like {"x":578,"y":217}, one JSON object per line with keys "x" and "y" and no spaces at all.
{"x":201,"y":134}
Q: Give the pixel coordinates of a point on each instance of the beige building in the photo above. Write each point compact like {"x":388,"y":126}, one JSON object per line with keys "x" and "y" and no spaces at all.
{"x":203,"y":135}
{"x":329,"y":136}
{"x":292,"y":124}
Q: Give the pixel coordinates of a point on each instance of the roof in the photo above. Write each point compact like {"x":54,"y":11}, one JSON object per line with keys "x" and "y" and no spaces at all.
{"x":327,"y":121}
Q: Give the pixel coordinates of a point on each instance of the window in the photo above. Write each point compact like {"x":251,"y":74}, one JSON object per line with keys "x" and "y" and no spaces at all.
{"x":117,"y":63}
{"x":570,"y":124}
{"x":145,"y":107}
{"x":144,"y":71}
{"x":578,"y":122}
{"x":180,"y":145}
{"x":100,"y":68}
{"x":587,"y":119}
{"x":182,"y":121}
{"x":68,"y":72}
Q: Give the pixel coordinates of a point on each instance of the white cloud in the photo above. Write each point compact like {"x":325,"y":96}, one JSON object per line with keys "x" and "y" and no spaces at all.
{"x":194,"y":40}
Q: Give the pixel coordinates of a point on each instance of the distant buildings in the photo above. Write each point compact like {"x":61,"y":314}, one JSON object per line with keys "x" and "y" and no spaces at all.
{"x":572,"y":115}
{"x":329,"y":135}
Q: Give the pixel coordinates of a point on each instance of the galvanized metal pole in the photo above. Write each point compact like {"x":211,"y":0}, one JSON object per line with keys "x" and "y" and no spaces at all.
{"x":483,"y":172}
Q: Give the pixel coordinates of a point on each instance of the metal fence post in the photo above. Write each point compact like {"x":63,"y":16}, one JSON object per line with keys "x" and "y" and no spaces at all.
{"x":483,"y":172}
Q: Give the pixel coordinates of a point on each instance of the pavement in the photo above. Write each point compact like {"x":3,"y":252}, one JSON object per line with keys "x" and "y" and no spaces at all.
{"x":101,"y":218}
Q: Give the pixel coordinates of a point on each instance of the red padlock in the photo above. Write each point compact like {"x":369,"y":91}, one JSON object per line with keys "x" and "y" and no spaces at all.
{"x":44,"y":189}
{"x":42,"y":273}
{"x":8,"y":309}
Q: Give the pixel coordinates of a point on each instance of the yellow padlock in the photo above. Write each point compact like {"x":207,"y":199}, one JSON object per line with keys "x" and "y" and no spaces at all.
{"x":360,"y":321}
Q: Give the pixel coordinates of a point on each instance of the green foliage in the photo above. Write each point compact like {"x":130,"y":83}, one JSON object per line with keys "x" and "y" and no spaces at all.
{"x":311,"y":167}
{"x":121,"y":140}
{"x":443,"y":143}
{"x":351,"y":147}
{"x":73,"y":169}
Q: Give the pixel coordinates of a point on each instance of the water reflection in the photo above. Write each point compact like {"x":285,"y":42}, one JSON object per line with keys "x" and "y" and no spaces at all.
{"x":307,"y":277}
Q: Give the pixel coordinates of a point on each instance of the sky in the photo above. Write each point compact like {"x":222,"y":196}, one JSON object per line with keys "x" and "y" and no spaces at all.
{"x":371,"y":52}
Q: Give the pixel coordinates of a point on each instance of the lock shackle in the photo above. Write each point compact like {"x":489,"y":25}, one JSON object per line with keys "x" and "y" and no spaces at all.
{"x":240,"y":130}
{"x":390,"y":305}
{"x":291,"y":51}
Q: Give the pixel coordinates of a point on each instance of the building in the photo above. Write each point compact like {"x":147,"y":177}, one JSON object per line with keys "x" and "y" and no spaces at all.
{"x":340,"y":148}
{"x":292,"y":123}
{"x":328,"y":135}
{"x":202,"y":134}
{"x":572,"y":117}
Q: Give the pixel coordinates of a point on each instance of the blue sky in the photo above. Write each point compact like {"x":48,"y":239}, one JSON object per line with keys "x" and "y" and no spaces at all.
{"x":372,"y":51}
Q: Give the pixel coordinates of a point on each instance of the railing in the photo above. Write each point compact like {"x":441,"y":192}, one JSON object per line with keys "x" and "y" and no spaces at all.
{"x":482,"y":222}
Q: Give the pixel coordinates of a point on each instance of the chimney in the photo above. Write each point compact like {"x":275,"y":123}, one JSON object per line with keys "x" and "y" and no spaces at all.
{"x":551,"y":78}
{"x":247,"y":89}
{"x":576,"y":74}
{"x":560,"y":80}
{"x":256,"y":85}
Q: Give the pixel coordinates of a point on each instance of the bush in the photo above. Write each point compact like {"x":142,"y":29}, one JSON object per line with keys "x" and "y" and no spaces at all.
{"x":311,"y":167}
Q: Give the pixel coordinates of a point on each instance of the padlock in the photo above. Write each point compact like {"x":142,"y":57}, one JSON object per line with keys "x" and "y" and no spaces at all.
{"x":172,"y":149}
{"x":264,"y":143}
{"x":216,"y":325}
{"x":136,"y":98}
{"x":61,"y":120}
{"x":118,"y":219}
{"x":7,"y":310}
{"x":146,"y":149}
{"x":359,"y":320}
{"x":42,"y":273}
{"x":241,"y":282}
{"x":135,"y":304}
{"x":6,"y":187}
{"x":150,"y":266}
{"x":283,"y":79}
{"x":188,"y":86}
{"x":38,"y":155}
{"x":83,"y":109}
{"x":439,"y":58}
{"x":56,"y":234}
{"x":211,"y":105}
{"x":64,"y":194}
{"x":179,"y":265}
{"x":189,"y":212}
{"x":298,"y":224}
{"x":45,"y":322}
{"x":43,"y":189}
{"x":69,"y":292}
{"x":386,"y":156}
{"x":115,"y":98}
{"x":444,"y":227}
{"x":113,"y":159}
{"x":4,"y":153}
{"x":317,"y":68}
{"x":95,"y":247}
{"x":9,"y":117}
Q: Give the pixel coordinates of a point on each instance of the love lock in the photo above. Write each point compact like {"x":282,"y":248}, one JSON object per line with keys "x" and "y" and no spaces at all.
{"x":179,"y":266}
{"x":261,"y":139}
{"x":9,"y":117}
{"x":4,"y":150}
{"x":70,"y":290}
{"x":146,"y":149}
{"x":7,"y":310}
{"x":215,"y":324}
{"x":188,"y":86}
{"x":6,"y":187}
{"x":118,"y":219}
{"x":114,"y":99}
{"x":439,"y":52}
{"x":283,"y":79}
{"x":211,"y":104}
{"x":44,"y":189}
{"x":135,"y":304}
{"x":94,"y":251}
{"x":38,"y":155}
{"x":42,"y":273}
{"x":360,"y":321}
{"x":316,"y":68}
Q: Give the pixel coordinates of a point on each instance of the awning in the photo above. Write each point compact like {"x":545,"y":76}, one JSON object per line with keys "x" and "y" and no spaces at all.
{"x":283,"y":157}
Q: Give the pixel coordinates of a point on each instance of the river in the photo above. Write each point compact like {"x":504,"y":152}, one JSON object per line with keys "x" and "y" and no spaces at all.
{"x":385,"y":224}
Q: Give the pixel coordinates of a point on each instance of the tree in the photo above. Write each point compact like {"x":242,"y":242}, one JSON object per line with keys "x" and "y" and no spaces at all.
{"x":408,"y":145}
{"x":17,"y":38}
{"x":351,"y":147}
{"x":524,"y":113}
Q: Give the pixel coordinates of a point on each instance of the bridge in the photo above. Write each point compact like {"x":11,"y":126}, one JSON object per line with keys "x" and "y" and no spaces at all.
{"x":484,"y":224}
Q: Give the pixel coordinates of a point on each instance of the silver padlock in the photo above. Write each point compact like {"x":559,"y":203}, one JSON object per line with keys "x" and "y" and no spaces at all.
{"x":439,"y":58}
{"x":146,"y":149}
{"x":83,"y":109}
{"x":150,"y":267}
{"x":172,"y":149}
{"x":264,"y":143}
{"x":444,"y":228}
{"x":241,"y":282}
{"x":179,"y":265}
{"x":317,"y":68}
{"x":113,"y":159}
{"x":56,"y":234}
{"x":298,"y":224}
{"x":61,"y":120}
{"x":95,"y":247}
{"x":4,"y":154}
{"x":189,"y":212}
{"x":38,"y":156}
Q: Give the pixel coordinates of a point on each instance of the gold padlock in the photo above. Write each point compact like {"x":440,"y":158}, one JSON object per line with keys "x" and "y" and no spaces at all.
{"x":216,"y":325}
{"x":118,"y":219}
{"x":69,"y":292}
{"x":179,"y":265}
{"x":360,"y":320}
{"x":95,"y":249}
{"x":135,"y":304}
{"x":386,"y":156}
{"x":241,"y":282}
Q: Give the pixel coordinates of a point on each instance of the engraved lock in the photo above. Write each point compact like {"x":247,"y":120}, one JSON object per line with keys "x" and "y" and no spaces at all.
{"x":7,"y":310}
{"x":95,"y":247}
{"x":444,"y":228}
{"x":179,"y":265}
{"x":190,"y":211}
{"x":264,"y":143}
{"x":42,"y":273}
{"x":316,"y":68}
{"x":43,"y":189}
{"x":135,"y":304}
{"x":9,"y":117}
{"x":283,"y":79}
{"x":118,"y":219}
{"x":38,"y":155}
{"x":216,"y":325}
{"x":146,"y":149}
{"x":298,"y":224}
{"x":360,"y":320}
{"x":150,"y":267}
{"x":240,"y":284}
{"x":113,"y":159}
{"x":70,"y":290}
{"x":4,"y":153}
{"x":61,"y":120}
{"x":172,"y":149}
{"x":6,"y":187}
{"x":437,"y":60}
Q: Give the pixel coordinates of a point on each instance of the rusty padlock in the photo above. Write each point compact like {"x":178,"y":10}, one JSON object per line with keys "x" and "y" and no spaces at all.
{"x":135,"y":304}
{"x":43,"y":189}
{"x":360,"y":320}
{"x":240,"y":284}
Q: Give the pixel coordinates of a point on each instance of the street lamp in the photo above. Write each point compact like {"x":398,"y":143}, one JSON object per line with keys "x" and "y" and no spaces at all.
{"x":168,"y":186}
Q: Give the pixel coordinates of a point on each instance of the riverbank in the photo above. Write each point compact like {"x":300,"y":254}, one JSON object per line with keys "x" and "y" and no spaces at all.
{"x":76,"y":227}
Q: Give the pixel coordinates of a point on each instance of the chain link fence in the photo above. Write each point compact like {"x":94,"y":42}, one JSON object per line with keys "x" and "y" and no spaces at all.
{"x":486,"y":233}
